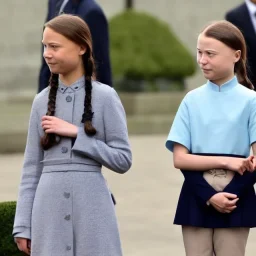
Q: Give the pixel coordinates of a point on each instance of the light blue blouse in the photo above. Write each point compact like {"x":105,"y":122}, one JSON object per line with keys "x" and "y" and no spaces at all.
{"x":216,"y":119}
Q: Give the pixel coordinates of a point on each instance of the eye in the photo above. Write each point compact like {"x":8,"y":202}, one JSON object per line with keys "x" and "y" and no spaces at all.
{"x":210,"y":54}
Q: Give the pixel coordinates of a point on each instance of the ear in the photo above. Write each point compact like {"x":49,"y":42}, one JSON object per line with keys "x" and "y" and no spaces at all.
{"x":82,"y":50}
{"x":237,"y":56}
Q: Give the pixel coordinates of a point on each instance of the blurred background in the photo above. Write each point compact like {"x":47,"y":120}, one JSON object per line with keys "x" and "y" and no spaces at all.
{"x":153,"y":60}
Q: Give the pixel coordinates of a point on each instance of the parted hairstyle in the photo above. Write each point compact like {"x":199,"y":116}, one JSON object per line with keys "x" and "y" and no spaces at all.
{"x":76,"y":30}
{"x":231,"y":36}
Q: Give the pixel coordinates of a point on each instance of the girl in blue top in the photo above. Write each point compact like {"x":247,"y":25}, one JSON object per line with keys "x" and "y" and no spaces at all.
{"x":211,"y":137}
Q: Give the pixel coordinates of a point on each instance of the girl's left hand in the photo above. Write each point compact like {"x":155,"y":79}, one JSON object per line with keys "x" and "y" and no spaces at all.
{"x":52,"y":124}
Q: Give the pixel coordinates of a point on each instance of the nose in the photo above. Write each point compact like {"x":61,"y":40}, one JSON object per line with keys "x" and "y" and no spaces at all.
{"x":47,"y":53}
{"x":202,"y":59}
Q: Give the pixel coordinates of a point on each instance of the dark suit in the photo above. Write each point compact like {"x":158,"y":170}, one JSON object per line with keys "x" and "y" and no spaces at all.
{"x":240,"y":17}
{"x":93,"y":15}
{"x":192,"y":209}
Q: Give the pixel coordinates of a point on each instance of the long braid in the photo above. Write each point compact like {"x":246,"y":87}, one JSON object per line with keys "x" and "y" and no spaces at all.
{"x":240,"y":70}
{"x":49,"y":139}
{"x":88,"y":114}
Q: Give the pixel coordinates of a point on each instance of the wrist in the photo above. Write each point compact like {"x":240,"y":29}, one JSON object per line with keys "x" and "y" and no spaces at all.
{"x":74,"y":132}
{"x":224,"y":163}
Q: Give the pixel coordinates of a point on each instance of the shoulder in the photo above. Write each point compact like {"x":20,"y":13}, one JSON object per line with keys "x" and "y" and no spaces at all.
{"x":248,"y":95}
{"x":90,"y":7}
{"x":194,"y":94}
{"x":41,"y":98}
{"x":103,"y":91}
{"x":235,"y":11}
{"x":245,"y":92}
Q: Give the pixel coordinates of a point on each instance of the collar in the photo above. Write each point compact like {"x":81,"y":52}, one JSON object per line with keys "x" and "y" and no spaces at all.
{"x":224,"y":87}
{"x":251,"y":7}
{"x":73,"y":87}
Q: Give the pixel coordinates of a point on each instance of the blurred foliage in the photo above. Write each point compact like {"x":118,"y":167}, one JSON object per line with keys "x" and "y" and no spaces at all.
{"x":7,"y":244}
{"x":144,"y":48}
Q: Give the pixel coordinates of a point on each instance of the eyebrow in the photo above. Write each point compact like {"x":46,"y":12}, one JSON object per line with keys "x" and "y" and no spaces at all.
{"x":50,"y":42}
{"x":208,"y":50}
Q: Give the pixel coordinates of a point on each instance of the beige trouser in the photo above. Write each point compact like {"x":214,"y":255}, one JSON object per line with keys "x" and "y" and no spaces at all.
{"x":217,"y":241}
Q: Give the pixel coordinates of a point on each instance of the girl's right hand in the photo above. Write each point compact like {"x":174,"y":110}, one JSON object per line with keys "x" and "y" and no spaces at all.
{"x":240,"y":165}
{"x":23,"y":244}
{"x":224,"y":202}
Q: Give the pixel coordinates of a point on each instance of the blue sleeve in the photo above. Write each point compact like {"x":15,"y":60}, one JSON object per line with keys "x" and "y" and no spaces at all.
{"x":180,"y":130}
{"x":98,"y":25}
{"x":252,"y":121}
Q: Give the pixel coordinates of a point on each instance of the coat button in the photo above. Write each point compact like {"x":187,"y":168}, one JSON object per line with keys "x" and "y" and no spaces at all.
{"x":64,"y":150}
{"x":66,"y":195}
{"x":68,"y":98}
{"x":67,"y":217}
{"x":68,"y":248}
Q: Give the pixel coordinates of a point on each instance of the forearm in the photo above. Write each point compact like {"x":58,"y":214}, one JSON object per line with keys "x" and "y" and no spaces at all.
{"x":115,"y":157}
{"x":191,"y":162}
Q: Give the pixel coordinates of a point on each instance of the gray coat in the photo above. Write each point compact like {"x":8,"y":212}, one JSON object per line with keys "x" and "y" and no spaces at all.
{"x":66,"y":179}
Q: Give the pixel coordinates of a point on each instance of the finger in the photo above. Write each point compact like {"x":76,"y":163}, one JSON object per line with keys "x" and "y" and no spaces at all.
{"x":45,"y":127}
{"x":22,"y":245}
{"x":47,"y":118}
{"x":50,"y":130}
{"x":229,"y":195}
{"x":254,"y":163}
{"x":241,"y":171}
{"x":231,"y":208}
{"x":46,"y":122}
{"x":250,"y":158}
{"x":217,"y":208}
{"x":231,"y":202}
{"x":249,"y":165}
{"x":27,"y":251}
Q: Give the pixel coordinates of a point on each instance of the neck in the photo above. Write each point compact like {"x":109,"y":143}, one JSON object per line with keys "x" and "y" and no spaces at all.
{"x":221,"y":81}
{"x":71,"y":77}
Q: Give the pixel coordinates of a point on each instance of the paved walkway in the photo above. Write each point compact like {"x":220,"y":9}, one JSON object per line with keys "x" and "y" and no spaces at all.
{"x":146,"y":197}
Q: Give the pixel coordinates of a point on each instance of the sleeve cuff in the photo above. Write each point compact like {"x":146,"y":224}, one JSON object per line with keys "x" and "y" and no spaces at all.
{"x":23,"y":232}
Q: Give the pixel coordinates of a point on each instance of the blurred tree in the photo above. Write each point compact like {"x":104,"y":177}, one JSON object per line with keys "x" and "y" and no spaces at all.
{"x":146,"y":55}
{"x":129,"y":4}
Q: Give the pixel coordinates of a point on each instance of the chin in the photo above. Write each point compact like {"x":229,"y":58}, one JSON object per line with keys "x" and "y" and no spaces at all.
{"x":208,"y":77}
{"x":54,"y":70}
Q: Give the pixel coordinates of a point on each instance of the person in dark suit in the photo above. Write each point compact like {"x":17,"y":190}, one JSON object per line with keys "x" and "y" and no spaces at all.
{"x":244,"y":17}
{"x":95,"y":18}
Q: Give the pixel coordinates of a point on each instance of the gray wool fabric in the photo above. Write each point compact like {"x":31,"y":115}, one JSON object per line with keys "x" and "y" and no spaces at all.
{"x":64,"y":205}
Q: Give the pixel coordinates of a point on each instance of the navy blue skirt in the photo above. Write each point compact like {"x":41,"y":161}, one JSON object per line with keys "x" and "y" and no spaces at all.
{"x":192,"y":209}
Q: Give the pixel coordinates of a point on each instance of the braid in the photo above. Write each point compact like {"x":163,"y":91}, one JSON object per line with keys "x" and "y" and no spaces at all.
{"x":88,"y":114}
{"x":49,"y":139}
{"x":240,"y":70}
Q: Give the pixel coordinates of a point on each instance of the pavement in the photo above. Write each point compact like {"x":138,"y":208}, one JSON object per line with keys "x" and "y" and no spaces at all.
{"x":146,"y":198}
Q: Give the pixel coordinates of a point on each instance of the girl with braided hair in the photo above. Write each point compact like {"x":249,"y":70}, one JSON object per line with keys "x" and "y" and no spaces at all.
{"x":77,"y":125}
{"x":211,"y":138}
